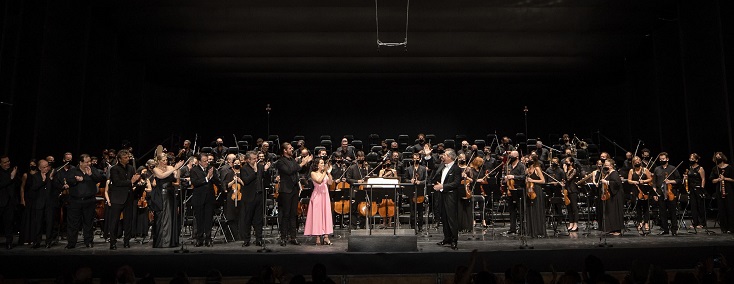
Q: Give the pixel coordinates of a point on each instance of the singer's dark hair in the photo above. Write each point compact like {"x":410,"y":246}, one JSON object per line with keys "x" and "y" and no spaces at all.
{"x":82,"y":157}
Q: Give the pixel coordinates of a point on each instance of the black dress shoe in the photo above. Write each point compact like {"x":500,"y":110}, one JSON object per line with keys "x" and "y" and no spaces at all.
{"x":511,"y":232}
{"x":198,"y":244}
{"x":283,"y":243}
{"x":36,"y":245}
{"x":663,"y":233}
{"x":126,"y":245}
{"x":295,"y":241}
{"x":48,"y":246}
{"x":454,"y":246}
{"x":69,"y":247}
{"x":246,"y":244}
{"x":259,"y":243}
{"x":113,"y":246}
{"x":441,"y":243}
{"x":208,"y":243}
{"x":675,"y":233}
{"x":89,"y":245}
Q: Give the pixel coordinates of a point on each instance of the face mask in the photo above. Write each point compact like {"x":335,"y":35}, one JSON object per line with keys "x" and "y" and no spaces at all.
{"x":663,"y":163}
{"x":638,"y":165}
{"x":554,"y":165}
{"x":219,"y":143}
{"x":461,"y":162}
{"x":606,"y":169}
{"x":420,"y":141}
{"x":603,"y":160}
{"x":692,"y":161}
{"x":719,"y":160}
{"x":360,"y":161}
{"x":237,"y":167}
{"x":464,"y":146}
{"x":33,"y":168}
{"x":512,"y":159}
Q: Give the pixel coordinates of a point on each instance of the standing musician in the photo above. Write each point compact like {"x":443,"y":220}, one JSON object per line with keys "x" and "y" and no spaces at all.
{"x":447,"y":180}
{"x":637,"y":176}
{"x":665,"y":177}
{"x":141,"y":221}
{"x":357,"y":173}
{"x":232,"y":183}
{"x":346,"y":151}
{"x":535,"y":216}
{"x":387,"y":171}
{"x":45,"y":198}
{"x":203,"y":177}
{"x":265,"y":150}
{"x":82,"y":201}
{"x":504,"y":147}
{"x":122,"y":178}
{"x":62,"y":177}
{"x":722,"y":176}
{"x":695,"y":181}
{"x":593,"y":195}
{"x":340,"y":167}
{"x":186,"y":152}
{"x":572,"y":176}
{"x":163,"y":202}
{"x":416,"y":175}
{"x":515,"y":173}
{"x":556,"y":185}
{"x":611,"y":185}
{"x":219,"y":151}
{"x":464,"y":204}
{"x":7,"y":198}
{"x":289,"y":193}
{"x":541,"y":151}
{"x":253,"y":174}
{"x":645,"y":156}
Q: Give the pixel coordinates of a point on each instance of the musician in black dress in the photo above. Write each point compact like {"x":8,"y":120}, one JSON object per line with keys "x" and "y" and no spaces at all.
{"x":722,"y":177}
{"x":82,"y":201}
{"x":572,"y":176}
{"x":614,"y":206}
{"x":696,"y":178}
{"x":665,"y":178}
{"x":289,"y":193}
{"x":203,"y":177}
{"x":535,"y":216}
{"x":163,"y":203}
{"x":637,"y":177}
{"x":122,"y":178}
{"x":7,"y":198}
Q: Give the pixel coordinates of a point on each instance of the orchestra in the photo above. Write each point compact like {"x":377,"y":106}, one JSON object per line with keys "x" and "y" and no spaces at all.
{"x":246,"y":185}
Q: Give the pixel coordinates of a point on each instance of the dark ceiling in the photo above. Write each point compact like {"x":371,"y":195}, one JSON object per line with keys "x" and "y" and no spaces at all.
{"x":227,"y":41}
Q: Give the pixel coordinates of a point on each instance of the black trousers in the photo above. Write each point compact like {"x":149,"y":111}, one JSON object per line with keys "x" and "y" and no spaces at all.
{"x":668,"y":211}
{"x":573,"y":207}
{"x":7,"y":211}
{"x":416,"y":210}
{"x":642,"y":210}
{"x":515,"y":206}
{"x":726,"y":213}
{"x":204,"y":215}
{"x":450,"y":216}
{"x":698,"y":206}
{"x":288,"y":214}
{"x":45,"y":221}
{"x":80,"y":214}
{"x":127,"y":220}
{"x":252,"y":216}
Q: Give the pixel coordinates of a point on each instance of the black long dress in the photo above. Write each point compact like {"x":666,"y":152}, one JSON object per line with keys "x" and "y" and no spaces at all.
{"x":614,"y":207}
{"x":536,"y":211}
{"x":165,"y":228}
{"x":466,"y":220}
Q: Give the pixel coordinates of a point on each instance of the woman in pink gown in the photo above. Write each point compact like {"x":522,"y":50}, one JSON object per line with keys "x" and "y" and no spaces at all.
{"x":318,"y":220}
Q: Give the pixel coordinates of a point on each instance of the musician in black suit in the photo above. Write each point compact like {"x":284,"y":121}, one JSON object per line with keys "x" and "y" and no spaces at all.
{"x":447,"y":180}
{"x":202,"y":200}
{"x":82,"y":201}
{"x":7,"y":198}
{"x":288,"y":193}
{"x":253,"y":175}
{"x":45,"y":198}
{"x":120,"y":199}
{"x":416,"y":175}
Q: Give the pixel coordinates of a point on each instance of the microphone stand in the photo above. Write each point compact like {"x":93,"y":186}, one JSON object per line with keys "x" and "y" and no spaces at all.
{"x":184,"y":200}
{"x":264,"y":247}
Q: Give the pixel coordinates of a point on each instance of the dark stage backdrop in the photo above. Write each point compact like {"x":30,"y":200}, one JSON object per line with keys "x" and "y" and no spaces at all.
{"x":74,"y":86}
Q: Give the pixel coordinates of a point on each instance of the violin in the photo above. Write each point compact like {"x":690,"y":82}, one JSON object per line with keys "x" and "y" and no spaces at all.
{"x":236,"y":190}
{"x":605,"y":194}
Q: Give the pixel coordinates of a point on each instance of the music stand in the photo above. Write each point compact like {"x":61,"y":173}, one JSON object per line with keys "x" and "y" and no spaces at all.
{"x":387,"y":187}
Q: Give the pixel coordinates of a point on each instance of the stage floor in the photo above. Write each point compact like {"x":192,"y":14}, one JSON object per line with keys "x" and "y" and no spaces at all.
{"x":564,"y":251}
